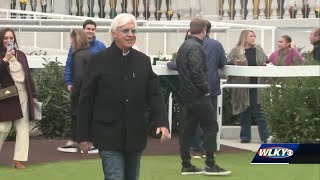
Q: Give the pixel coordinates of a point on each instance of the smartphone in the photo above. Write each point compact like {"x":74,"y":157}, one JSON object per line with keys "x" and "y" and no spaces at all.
{"x":10,"y":46}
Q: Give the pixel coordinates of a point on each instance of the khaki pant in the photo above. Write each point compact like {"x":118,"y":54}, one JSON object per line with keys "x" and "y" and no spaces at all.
{"x":22,"y":128}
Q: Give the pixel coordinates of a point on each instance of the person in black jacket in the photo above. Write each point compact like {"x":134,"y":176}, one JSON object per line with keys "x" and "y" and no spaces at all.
{"x":315,"y":41}
{"x":195,"y":96}
{"x":117,"y":86}
{"x":80,"y":58}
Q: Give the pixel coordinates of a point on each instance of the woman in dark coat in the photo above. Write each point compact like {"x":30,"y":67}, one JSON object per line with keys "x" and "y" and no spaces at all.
{"x":80,"y":58}
{"x":14,"y":71}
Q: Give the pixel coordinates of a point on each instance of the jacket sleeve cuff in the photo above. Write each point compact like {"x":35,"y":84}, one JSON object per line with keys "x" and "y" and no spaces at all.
{"x":162,"y":124}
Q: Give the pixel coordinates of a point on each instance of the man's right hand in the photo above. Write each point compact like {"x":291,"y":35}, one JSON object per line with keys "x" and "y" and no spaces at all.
{"x":69,"y":87}
{"x":85,"y":146}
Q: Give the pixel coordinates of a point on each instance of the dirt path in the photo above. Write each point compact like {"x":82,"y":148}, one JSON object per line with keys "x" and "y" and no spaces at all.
{"x":44,"y":151}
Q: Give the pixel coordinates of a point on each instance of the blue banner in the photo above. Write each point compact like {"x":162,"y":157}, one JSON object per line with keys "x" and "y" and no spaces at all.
{"x":287,"y":154}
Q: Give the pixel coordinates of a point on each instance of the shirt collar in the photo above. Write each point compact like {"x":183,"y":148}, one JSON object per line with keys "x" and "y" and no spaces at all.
{"x":118,"y":50}
{"x":125,"y":54}
{"x":196,"y":38}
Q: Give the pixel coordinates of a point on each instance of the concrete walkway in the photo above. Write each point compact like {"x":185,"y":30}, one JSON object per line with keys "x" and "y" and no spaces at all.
{"x":253,"y":146}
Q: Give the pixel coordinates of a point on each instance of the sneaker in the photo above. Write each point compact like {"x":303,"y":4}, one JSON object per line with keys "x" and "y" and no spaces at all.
{"x":197,"y":155}
{"x":92,"y":150}
{"x":216,"y":171}
{"x":204,"y":154}
{"x":191,"y":170}
{"x":70,"y":147}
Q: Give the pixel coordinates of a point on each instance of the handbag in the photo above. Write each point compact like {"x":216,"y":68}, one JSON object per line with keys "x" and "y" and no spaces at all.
{"x":8,"y":92}
{"x":37,"y":106}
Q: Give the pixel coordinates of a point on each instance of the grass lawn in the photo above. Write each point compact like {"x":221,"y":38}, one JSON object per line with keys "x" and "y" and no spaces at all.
{"x":166,"y":168}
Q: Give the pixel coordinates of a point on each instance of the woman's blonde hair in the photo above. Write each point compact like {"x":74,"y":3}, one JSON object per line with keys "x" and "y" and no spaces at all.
{"x":80,"y":39}
{"x":243,"y":39}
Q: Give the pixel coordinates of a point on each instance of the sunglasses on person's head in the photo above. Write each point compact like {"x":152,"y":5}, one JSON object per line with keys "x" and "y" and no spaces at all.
{"x":133,"y":31}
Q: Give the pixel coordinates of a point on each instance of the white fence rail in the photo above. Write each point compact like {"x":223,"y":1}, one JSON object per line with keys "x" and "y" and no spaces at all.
{"x":153,"y":36}
{"x":247,"y":71}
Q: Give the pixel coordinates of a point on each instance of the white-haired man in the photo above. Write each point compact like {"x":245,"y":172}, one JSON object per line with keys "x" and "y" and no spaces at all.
{"x":118,"y":83}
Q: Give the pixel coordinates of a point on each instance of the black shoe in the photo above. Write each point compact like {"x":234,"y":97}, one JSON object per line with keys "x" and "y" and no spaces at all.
{"x":191,"y":170}
{"x":216,"y":171}
{"x":245,"y":141}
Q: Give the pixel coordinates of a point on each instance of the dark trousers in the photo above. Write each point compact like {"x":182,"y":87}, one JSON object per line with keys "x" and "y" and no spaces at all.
{"x":13,"y":6}
{"x":23,"y":7}
{"x":44,"y":8}
{"x":74,"y":128}
{"x":74,"y":111}
{"x":199,"y":110}
{"x":198,"y":138}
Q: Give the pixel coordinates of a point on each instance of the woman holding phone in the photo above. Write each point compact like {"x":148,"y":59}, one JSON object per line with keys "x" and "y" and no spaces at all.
{"x":246,"y":102}
{"x":16,"y":109}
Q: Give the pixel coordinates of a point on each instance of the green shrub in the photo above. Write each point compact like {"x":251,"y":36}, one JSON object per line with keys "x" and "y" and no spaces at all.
{"x":171,"y":84}
{"x":51,"y":90}
{"x":293,"y":110}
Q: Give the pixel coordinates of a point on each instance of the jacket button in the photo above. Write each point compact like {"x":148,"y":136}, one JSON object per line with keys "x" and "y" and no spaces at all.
{"x":127,"y":100}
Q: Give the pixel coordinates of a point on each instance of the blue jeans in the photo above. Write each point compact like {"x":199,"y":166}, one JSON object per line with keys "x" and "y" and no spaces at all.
{"x":246,"y":117}
{"x":198,"y":137}
{"x":118,"y":165}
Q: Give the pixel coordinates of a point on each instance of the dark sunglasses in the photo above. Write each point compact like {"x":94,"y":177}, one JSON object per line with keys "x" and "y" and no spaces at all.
{"x":125,"y":31}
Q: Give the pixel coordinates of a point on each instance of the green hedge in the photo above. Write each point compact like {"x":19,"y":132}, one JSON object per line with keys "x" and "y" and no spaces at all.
{"x":51,"y":90}
{"x":293,"y":111}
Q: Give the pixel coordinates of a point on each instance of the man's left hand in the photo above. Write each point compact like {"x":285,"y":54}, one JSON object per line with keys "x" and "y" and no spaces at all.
{"x":165,"y":134}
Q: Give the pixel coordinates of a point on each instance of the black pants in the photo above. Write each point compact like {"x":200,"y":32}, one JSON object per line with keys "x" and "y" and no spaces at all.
{"x":74,"y":128}
{"x":199,"y":110}
{"x":74,"y":111}
{"x":44,"y":8}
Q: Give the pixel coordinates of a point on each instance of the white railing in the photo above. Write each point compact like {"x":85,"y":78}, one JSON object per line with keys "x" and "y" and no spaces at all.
{"x":260,"y":71}
{"x":61,"y":25}
{"x":268,"y":9}
{"x":247,"y":71}
{"x":184,"y":9}
{"x":32,"y":28}
{"x":181,"y":9}
{"x":229,"y":70}
{"x":10,"y":13}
